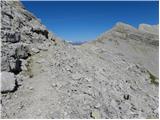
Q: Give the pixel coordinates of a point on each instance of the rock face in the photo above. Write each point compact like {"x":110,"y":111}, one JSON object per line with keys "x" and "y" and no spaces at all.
{"x":154,"y":29}
{"x":20,"y":31}
{"x":115,"y":76}
{"x":136,"y":45}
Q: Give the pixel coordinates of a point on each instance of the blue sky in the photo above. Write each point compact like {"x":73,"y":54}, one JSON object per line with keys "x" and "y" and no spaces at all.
{"x":81,"y":20}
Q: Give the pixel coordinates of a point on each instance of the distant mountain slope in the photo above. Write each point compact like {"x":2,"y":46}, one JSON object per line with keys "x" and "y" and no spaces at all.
{"x":44,"y":77}
{"x":153,"y":29}
{"x":77,"y":43}
{"x":139,"y":46}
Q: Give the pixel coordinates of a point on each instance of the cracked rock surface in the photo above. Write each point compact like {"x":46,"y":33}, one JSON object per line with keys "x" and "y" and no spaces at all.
{"x":115,"y":76}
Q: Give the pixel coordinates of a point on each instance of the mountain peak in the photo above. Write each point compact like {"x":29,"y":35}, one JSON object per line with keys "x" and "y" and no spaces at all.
{"x":154,"y":29}
{"x":120,"y":26}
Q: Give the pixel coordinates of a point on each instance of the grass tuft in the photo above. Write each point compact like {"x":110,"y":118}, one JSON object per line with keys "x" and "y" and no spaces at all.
{"x":153,"y":78}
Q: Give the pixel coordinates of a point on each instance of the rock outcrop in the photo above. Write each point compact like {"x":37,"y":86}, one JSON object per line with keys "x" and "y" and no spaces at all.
{"x":22,"y":35}
{"x":20,"y":32}
{"x":115,"y":76}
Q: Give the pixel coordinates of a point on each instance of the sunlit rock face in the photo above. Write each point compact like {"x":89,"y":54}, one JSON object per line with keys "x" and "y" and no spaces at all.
{"x":115,"y":76}
{"x":139,"y":46}
{"x":20,"y":31}
{"x":153,"y":29}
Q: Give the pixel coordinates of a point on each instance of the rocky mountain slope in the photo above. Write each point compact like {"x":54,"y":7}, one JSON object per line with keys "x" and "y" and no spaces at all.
{"x":139,"y":46}
{"x":115,"y":76}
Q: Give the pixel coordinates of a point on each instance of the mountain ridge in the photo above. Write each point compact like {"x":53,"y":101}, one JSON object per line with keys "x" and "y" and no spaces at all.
{"x":45,"y":77}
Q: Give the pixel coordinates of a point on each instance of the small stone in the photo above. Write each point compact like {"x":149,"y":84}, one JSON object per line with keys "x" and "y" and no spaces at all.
{"x":35,"y":50}
{"x":68,"y":68}
{"x":39,"y":112}
{"x":30,"y":88}
{"x":76,"y":76}
{"x":126,"y":97}
{"x":21,"y":106}
{"x":97,"y":105}
{"x":59,"y":102}
{"x":43,"y":48}
{"x":88,"y":79}
{"x":24,"y":65}
{"x":95,"y":114}
{"x":54,"y":85}
{"x":65,"y":113}
{"x":8,"y":97}
{"x":40,"y":61}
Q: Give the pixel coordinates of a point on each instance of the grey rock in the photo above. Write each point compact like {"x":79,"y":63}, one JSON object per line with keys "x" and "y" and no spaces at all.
{"x":42,"y":47}
{"x":95,"y":114}
{"x":22,"y":51}
{"x":13,"y":37}
{"x":12,"y":64}
{"x":40,"y":30}
{"x":34,"y":51}
{"x":24,"y":65}
{"x":30,"y":88}
{"x":8,"y":81}
{"x":76,"y":76}
{"x":4,"y":63}
{"x":15,"y":66}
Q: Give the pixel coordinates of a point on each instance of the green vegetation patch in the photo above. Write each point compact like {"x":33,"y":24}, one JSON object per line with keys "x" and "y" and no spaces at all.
{"x":153,"y":78}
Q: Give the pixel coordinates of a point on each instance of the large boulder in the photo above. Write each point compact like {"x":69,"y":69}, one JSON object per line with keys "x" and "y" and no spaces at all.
{"x":8,"y":82}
